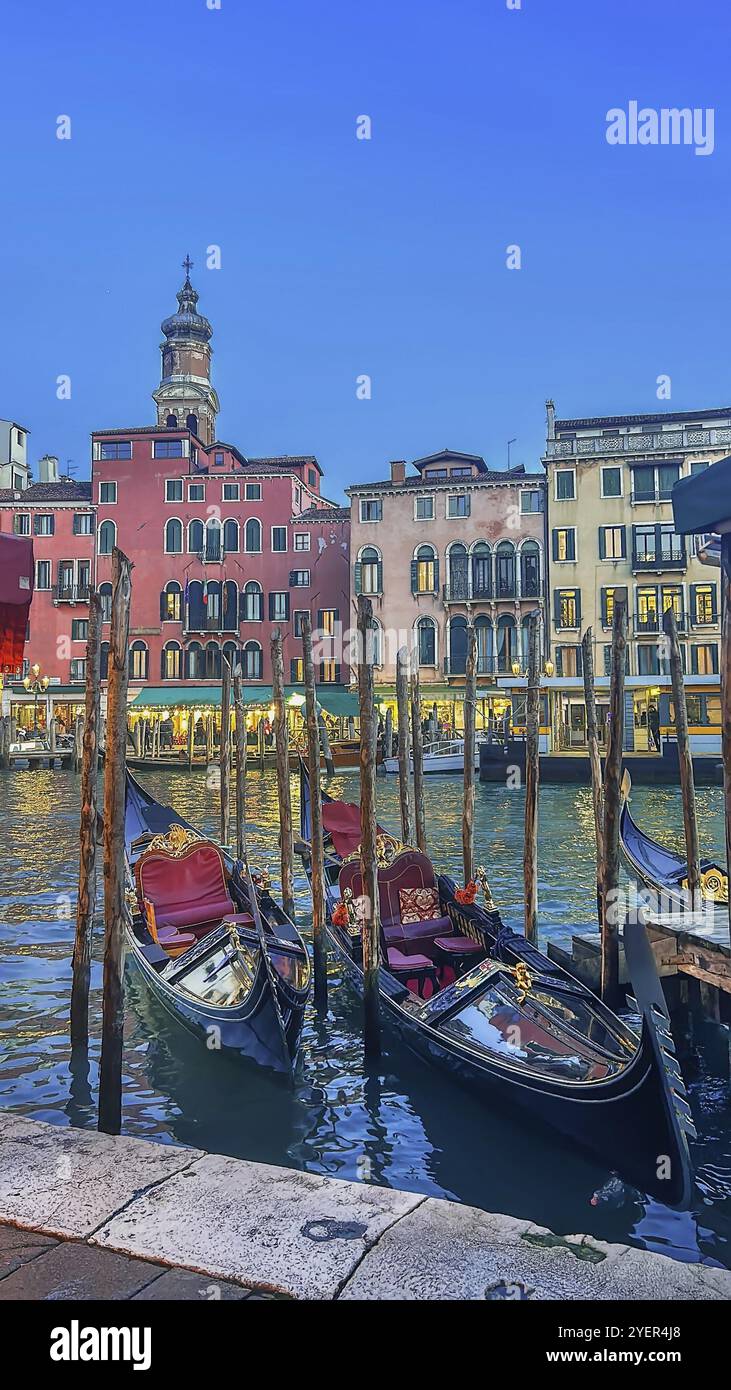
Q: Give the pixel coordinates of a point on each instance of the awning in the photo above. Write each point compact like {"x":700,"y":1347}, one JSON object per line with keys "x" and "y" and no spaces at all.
{"x":338,"y":701}
{"x":16,"y":592}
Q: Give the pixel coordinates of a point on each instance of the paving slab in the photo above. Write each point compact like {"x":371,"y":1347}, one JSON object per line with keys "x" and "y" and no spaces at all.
{"x":69,"y":1181}
{"x":183,"y":1286}
{"x":18,"y":1247}
{"x":73,"y":1270}
{"x":289,"y":1232}
{"x":443,"y":1250}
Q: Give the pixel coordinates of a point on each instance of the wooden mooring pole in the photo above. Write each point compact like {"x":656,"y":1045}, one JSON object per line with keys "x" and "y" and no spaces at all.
{"x":110,"y":1080}
{"x":240,"y":766}
{"x":317,"y":844}
{"x":470,"y":714}
{"x":595,"y":762}
{"x":86,"y":900}
{"x":612,"y":807}
{"x":404,"y":761}
{"x":281,"y":739}
{"x":224,"y":752}
{"x":532,"y":775}
{"x":191,"y":739}
{"x":325,"y":741}
{"x":687,"y":781}
{"x":417,"y":753}
{"x":371,"y":927}
{"x":388,"y":734}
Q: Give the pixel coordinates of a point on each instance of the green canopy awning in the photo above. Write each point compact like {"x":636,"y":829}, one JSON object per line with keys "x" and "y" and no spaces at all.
{"x":337,"y":701}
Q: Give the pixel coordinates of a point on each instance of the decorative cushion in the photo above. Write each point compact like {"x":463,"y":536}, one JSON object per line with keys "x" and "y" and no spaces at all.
{"x":419,"y":904}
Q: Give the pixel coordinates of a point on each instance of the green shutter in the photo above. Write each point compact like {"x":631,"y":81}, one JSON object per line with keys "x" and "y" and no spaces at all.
{"x":358,"y":577}
{"x":602,"y":543}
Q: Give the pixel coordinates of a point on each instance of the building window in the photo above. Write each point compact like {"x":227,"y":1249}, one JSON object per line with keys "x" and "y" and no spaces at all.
{"x":83,"y":524}
{"x":231,"y":536}
{"x":327,"y":619}
{"x":505,"y":571}
{"x":196,"y":492}
{"x":253,"y":607}
{"x":44,"y":524}
{"x":648,"y":659}
{"x":652,"y":483}
{"x":329,"y":671}
{"x":671,"y":596}
{"x":231,"y":492}
{"x":107,"y":537}
{"x":279,"y":607}
{"x":171,"y":603}
{"x":530,"y":500}
{"x":458,"y":504}
{"x":78,"y":668}
{"x":611,"y":482}
{"x":369,"y":572}
{"x":79,"y":629}
{"x":424,"y":571}
{"x":568,"y":661}
{"x":311,"y":478}
{"x":565,"y":484}
{"x":138,"y":655}
{"x":252,"y":536}
{"x":252,"y":661}
{"x":122,"y":449}
{"x":612,"y":543}
{"x":704,"y":604}
{"x":371,"y":509}
{"x":530,"y":570}
{"x":646,"y":617}
{"x":21,"y":524}
{"x":302,"y":540}
{"x":426,"y":642}
{"x":173,"y":536}
{"x":213,"y":539}
{"x":564,"y":543}
{"x":298,"y":618}
{"x":173,"y":489}
{"x":172,"y":662}
{"x":43,"y":574}
{"x":105,"y":596}
{"x":279,"y":538}
{"x":167,"y":449}
{"x":697,"y":466}
{"x":297,"y":670}
{"x":108,"y":493}
{"x":253,"y":492}
{"x":567,"y":608}
{"x":609,"y":597}
{"x":299,"y":579}
{"x":218,"y":461}
{"x":424,"y":509}
{"x":704,"y":659}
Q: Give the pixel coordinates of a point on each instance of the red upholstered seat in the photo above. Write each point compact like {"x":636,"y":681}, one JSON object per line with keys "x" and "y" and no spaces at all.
{"x":187,"y":891}
{"x":399,"y":962}
{"x":458,"y":945}
{"x":168,"y":937}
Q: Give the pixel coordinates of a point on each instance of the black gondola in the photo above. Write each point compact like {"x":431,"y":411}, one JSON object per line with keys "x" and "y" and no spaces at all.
{"x":665,"y":875}
{"x":212,"y":945}
{"x":510,"y":1023}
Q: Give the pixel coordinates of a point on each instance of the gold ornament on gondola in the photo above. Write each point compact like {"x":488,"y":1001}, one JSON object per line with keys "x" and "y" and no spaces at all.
{"x":174,"y":842}
{"x":481,"y":878}
{"x":714,"y":885}
{"x":523,"y":980}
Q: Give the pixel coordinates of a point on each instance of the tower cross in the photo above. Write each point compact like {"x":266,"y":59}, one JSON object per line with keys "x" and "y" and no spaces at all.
{"x":187,"y":266}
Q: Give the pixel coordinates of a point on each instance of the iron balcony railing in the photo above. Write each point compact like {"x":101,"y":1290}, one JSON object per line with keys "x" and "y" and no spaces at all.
{"x":659,"y":560}
{"x":71,"y":593}
{"x":486,"y":666}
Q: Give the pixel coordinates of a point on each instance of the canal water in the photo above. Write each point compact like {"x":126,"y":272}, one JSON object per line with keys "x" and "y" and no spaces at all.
{"x":406,"y":1126}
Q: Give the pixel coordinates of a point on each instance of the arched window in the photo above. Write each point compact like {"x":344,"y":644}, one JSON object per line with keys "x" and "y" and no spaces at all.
{"x":107,"y":537}
{"x":369,"y":572}
{"x":507,"y":642}
{"x":230,"y":606}
{"x":196,"y":614}
{"x":525,"y":642}
{"x":138,"y":659}
{"x":105,"y":597}
{"x":194,"y":661}
{"x":231,"y":536}
{"x":191,"y":423}
{"x":253,"y":603}
{"x":424,"y":571}
{"x":173,"y":536}
{"x":213,"y":660}
{"x":457,"y":646}
{"x":213,"y":539}
{"x":196,"y":536}
{"x":505,"y":570}
{"x":376,"y":643}
{"x":172,"y":422}
{"x":481,"y":570}
{"x":231,"y":653}
{"x":459,"y":583}
{"x":104,"y":661}
{"x":252,"y":536}
{"x":252,"y":661}
{"x":212,"y":597}
{"x":485,"y":638}
{"x":172,"y":662}
{"x":426,"y":642}
{"x":171,"y":603}
{"x":530,"y":570}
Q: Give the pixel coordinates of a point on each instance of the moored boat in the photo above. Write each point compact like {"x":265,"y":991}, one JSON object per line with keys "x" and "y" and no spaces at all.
{"x":446,"y":755}
{"x":211,"y":943}
{"x":472,"y":996}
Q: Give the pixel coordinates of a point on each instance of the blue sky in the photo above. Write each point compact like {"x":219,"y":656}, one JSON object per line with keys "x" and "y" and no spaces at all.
{"x":343,"y":257}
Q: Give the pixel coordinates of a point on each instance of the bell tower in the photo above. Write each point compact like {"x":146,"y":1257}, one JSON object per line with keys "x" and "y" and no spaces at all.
{"x":185,"y":397}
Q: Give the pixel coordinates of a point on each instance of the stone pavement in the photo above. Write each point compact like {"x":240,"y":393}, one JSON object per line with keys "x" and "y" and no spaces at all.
{"x":91,"y":1216}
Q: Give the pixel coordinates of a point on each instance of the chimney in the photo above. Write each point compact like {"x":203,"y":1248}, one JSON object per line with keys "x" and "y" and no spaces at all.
{"x":550,"y":420}
{"x":48,"y":469}
{"x":398,"y":470}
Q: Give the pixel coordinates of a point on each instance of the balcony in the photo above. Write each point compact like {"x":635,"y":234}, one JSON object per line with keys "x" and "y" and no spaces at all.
{"x":685,"y":437}
{"x":463,"y":590}
{"x":486,"y":666}
{"x":71,"y":593}
{"x":647,"y":625}
{"x":658,"y":560}
{"x":212,"y":624}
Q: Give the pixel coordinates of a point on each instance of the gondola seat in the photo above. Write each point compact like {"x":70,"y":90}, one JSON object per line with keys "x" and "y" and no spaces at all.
{"x":410,"y":869}
{"x":188,"y":890}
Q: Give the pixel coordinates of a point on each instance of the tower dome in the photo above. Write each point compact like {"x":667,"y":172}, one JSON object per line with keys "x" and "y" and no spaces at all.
{"x":185,"y":398}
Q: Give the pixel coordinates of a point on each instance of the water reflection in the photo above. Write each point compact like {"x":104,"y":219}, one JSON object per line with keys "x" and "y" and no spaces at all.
{"x":402,"y":1125}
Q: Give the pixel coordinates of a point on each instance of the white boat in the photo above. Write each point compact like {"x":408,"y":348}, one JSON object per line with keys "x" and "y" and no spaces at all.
{"x":447,"y":755}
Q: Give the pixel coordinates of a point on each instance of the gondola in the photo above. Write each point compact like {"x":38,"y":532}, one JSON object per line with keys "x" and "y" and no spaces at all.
{"x":665,"y":875}
{"x":211,"y":943}
{"x":475,"y":998}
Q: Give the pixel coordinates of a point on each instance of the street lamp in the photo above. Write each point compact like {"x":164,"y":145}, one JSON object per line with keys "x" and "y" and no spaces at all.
{"x":39,"y":685}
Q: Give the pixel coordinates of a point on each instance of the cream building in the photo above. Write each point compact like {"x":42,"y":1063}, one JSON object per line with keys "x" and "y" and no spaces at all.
{"x":450,"y":541}
{"x":610,"y":534}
